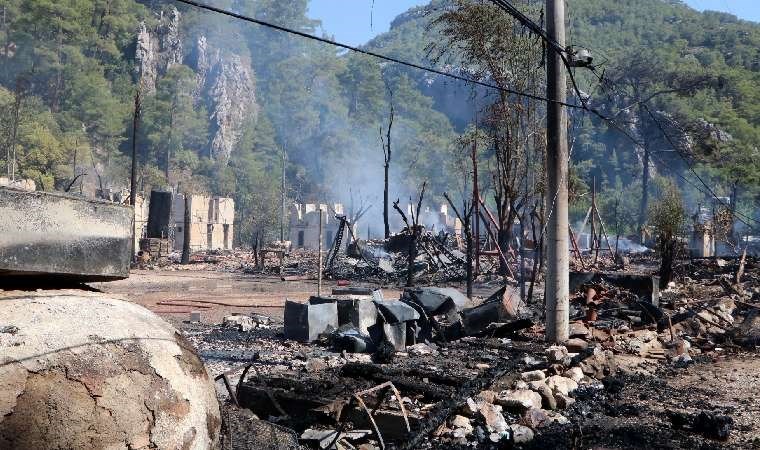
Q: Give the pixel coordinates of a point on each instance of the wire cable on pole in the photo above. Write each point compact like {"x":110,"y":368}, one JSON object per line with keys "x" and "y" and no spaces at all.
{"x":370,"y":53}
{"x":705,"y":189}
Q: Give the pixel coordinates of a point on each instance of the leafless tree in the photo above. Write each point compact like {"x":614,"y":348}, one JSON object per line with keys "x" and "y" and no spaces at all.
{"x":386,"y":142}
{"x":494,"y":47}
{"x":413,"y":229}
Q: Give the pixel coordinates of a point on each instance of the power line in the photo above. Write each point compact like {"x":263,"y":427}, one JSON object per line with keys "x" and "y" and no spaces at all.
{"x":691,"y":167}
{"x":709,"y":190}
{"x":561,"y":51}
{"x":370,"y":53}
{"x":511,"y":10}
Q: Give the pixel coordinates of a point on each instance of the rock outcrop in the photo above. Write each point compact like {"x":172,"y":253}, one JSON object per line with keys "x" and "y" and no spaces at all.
{"x":225,"y":82}
{"x":158,"y":50}
{"x":233,"y":101}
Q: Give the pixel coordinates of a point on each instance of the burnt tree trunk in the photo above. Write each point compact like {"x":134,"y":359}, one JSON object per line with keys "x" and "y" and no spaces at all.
{"x":411,"y":256}
{"x":644,"y":194}
{"x":387,"y":160}
{"x":668,"y":250}
{"x":386,"y":221}
{"x":468,"y":269}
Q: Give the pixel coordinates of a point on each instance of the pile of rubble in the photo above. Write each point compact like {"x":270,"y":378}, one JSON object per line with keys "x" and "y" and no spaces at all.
{"x":484,"y":391}
{"x":360,"y":320}
{"x":432,"y":369}
{"x":517,"y":406}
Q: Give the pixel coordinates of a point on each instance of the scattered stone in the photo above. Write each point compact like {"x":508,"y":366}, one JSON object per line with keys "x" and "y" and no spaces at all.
{"x":576,"y":345}
{"x":520,"y":384}
{"x":600,"y":364}
{"x":519,"y":400}
{"x":315,"y":365}
{"x":244,"y":324}
{"x":493,"y":418}
{"x":575,"y":374}
{"x":470,"y":408}
{"x":261,"y":320}
{"x":563,"y":401}
{"x":535,"y":418}
{"x":547,"y":397}
{"x":486,"y":396}
{"x":578,"y":330}
{"x":562,"y":385}
{"x":462,"y":423}
{"x":683,"y":360}
{"x":420,"y":349}
{"x":557,"y":354}
{"x":531,"y":361}
{"x":533,"y":375}
{"x":521,"y":434}
{"x":536,"y":385}
{"x":459,"y":433}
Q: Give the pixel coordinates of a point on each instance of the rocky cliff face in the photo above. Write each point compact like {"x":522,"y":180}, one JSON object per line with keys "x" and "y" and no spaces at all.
{"x":158,"y":49}
{"x":227,"y":86}
{"x":225,"y":83}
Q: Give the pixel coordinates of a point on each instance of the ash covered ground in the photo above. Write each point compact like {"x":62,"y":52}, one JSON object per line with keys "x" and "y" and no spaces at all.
{"x":627,"y":379}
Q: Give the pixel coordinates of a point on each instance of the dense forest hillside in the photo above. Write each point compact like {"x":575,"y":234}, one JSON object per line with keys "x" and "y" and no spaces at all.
{"x":223,"y":102}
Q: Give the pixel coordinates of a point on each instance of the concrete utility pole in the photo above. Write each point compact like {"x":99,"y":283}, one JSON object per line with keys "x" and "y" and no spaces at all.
{"x":319,"y":275}
{"x":133,"y":173}
{"x":558,"y":259}
{"x":282,"y":199}
{"x":186,"y":230}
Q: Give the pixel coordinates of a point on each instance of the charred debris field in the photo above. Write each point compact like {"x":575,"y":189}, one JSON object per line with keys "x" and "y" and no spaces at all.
{"x":502,"y":224}
{"x":478,"y":374}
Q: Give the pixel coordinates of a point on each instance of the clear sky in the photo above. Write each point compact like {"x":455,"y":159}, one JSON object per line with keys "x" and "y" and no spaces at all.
{"x":357,"y":21}
{"x":745,"y":9}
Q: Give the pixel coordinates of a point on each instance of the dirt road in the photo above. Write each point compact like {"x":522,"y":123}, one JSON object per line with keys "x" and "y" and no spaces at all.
{"x":239,"y":293}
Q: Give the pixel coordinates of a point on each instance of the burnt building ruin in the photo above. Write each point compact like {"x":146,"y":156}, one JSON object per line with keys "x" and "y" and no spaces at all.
{"x":304,"y":225}
{"x":211,"y":222}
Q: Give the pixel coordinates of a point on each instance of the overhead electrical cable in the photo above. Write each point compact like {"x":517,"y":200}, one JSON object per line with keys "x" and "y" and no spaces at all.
{"x":370,"y":53}
{"x":506,"y":6}
{"x":538,"y":30}
{"x":706,"y":189}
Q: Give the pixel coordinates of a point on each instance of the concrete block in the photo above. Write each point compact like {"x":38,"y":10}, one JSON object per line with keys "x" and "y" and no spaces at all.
{"x":437,"y":300}
{"x":61,"y":236}
{"x":502,"y":309}
{"x":352,"y":291}
{"x":394,"y":311}
{"x":361,"y":313}
{"x":377,"y":295}
{"x":306,"y":321}
{"x":395,"y":334}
